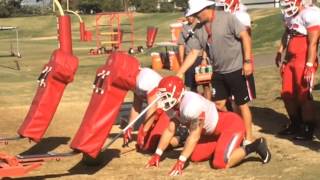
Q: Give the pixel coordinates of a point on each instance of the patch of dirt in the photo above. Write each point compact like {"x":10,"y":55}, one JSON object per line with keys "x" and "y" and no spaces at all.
{"x":290,"y":160}
{"x":261,"y":13}
{"x":43,"y":38}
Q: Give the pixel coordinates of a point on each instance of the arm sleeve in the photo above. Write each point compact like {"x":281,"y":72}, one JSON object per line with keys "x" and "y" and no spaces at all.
{"x":147,"y":80}
{"x":181,"y":37}
{"x":312,"y":20}
{"x":244,"y":18}
{"x":235,"y":25}
{"x":193,"y":109}
{"x":195,"y":40}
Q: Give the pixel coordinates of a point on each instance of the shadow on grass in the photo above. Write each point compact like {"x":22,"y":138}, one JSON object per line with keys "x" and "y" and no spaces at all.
{"x":272,"y":122}
{"x":46,"y":145}
{"x":17,"y":65}
{"x":316,"y":87}
{"x":247,"y":159}
{"x":106,"y":157}
{"x":124,"y":113}
{"x":8,"y":67}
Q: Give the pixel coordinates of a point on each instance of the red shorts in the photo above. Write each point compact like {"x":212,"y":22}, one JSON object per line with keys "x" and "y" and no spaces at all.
{"x":293,"y":85}
{"x":227,"y":137}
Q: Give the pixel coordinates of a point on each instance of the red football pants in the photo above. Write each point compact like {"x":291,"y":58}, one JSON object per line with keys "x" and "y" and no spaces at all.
{"x":227,"y":137}
{"x":293,"y":85}
{"x":153,"y":136}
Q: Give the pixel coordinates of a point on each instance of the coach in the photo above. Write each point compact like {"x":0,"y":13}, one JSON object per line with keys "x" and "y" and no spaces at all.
{"x":228,"y":45}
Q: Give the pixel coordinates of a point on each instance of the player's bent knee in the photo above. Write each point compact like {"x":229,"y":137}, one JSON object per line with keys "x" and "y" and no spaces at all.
{"x":219,"y":164}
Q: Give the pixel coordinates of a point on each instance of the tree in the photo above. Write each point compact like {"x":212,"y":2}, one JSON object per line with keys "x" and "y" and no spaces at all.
{"x":112,"y":5}
{"x":4,"y":12}
{"x":9,"y":7}
{"x":125,"y":4}
{"x":136,"y":3}
{"x":167,"y":7}
{"x":148,"y":6}
{"x":87,"y":6}
{"x":182,"y":3}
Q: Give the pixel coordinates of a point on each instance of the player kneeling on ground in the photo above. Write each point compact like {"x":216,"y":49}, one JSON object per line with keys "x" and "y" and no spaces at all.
{"x":156,"y":120}
{"x":212,"y":133}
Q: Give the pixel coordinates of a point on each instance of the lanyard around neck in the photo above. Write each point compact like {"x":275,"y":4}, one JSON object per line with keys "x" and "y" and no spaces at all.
{"x":209,"y":28}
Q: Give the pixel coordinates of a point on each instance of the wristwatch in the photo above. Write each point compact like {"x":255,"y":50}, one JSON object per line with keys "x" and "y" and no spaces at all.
{"x":309,"y":64}
{"x":247,"y":61}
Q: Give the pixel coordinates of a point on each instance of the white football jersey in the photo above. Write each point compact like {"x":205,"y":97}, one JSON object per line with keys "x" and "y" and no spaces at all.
{"x":243,"y":16}
{"x":308,"y":18}
{"x":146,"y":81}
{"x":193,"y":106}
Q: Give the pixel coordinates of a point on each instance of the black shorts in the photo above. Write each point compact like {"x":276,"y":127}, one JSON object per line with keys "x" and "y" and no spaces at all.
{"x":233,"y":84}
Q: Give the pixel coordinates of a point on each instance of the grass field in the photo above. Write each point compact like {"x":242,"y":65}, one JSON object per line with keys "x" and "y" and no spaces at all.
{"x":291,"y":159}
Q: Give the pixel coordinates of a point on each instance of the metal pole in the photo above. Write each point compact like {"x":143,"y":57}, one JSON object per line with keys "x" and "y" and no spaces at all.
{"x":17,"y":42}
{"x":131,"y":123}
{"x":276,"y":3}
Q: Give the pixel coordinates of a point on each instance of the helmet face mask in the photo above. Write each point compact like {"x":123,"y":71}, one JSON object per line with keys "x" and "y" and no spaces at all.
{"x":230,"y":5}
{"x":171,"y":90}
{"x":290,"y":8}
{"x":167,"y":101}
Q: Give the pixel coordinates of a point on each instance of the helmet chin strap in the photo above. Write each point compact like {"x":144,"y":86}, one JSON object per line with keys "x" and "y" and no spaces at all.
{"x":228,"y":7}
{"x":182,"y":93}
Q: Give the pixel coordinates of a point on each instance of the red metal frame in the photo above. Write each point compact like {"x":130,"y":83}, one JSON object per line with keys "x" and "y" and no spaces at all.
{"x":15,"y":166}
{"x":6,"y":140}
{"x":113,"y":19}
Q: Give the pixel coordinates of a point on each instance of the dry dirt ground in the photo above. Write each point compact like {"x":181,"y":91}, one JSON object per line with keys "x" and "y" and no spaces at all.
{"x":290,"y":159}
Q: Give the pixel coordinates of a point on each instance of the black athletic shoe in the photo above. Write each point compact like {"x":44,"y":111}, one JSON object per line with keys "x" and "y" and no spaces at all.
{"x":263,"y":150}
{"x":305,"y":133}
{"x":289,"y":130}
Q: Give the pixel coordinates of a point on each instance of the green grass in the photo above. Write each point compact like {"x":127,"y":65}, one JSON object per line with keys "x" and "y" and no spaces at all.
{"x":18,"y":87}
{"x":267,"y":32}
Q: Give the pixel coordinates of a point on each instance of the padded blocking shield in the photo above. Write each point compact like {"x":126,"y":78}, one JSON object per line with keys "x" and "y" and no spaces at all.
{"x":124,"y":70}
{"x":111,"y":85}
{"x":56,"y":75}
{"x":52,"y":81}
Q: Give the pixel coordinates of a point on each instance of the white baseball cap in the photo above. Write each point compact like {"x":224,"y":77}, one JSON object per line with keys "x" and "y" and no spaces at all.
{"x":197,"y":5}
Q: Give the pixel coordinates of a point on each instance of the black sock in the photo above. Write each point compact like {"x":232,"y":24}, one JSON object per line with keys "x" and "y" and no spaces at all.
{"x":310,"y":126}
{"x":295,"y":120}
{"x":252,"y":147}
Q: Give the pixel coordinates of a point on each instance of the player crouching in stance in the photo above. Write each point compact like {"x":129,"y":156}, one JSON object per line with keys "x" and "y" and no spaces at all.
{"x":211,"y":133}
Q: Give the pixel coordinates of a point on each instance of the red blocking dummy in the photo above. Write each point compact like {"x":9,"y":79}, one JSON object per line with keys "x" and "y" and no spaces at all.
{"x":82,"y":31}
{"x":53,"y":79}
{"x":151,"y":36}
{"x":111,"y":85}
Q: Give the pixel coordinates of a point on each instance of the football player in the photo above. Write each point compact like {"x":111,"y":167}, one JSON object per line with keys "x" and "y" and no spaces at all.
{"x":300,"y":44}
{"x":211,"y":133}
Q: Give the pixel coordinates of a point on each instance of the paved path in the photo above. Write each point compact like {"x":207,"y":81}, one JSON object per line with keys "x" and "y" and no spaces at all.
{"x":259,"y":3}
